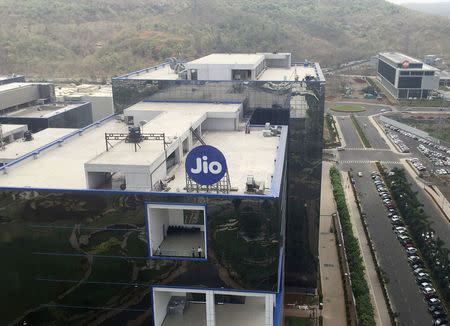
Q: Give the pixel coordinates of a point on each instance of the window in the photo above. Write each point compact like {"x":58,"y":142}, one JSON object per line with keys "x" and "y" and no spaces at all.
{"x":429,"y":73}
{"x":386,"y":71}
{"x":417,"y":73}
{"x":402,"y":93}
{"x":410,"y":82}
{"x":414,"y":93}
{"x":403,"y":73}
{"x":176,"y":231}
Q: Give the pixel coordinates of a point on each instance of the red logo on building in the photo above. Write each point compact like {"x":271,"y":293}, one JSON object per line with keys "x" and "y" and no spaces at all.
{"x":405,"y":64}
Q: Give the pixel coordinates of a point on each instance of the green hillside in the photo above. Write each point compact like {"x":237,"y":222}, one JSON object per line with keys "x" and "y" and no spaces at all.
{"x":102,"y":38}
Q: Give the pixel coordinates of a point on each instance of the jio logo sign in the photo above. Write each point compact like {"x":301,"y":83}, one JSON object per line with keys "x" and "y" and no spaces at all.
{"x":206,"y":165}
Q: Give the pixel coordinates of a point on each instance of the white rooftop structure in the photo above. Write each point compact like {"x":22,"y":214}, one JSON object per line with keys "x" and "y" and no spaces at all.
{"x":230,"y":66}
{"x":9,"y":133}
{"x":17,"y":94}
{"x":20,"y":147}
{"x":399,"y":58}
{"x":11,"y":129}
{"x":81,"y":161}
{"x":100,"y":96}
{"x":229,"y":59}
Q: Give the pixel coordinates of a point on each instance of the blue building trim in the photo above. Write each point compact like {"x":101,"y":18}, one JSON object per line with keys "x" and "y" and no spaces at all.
{"x":279,"y":163}
{"x":187,"y":288}
{"x":278,"y":311}
{"x":277,"y":317}
{"x":147,"y":231}
{"x":150,"y":193}
{"x":149,"y":100}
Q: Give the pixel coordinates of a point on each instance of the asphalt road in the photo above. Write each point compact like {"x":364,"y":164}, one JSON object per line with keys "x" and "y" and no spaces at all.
{"x":351,"y":136}
{"x":371,"y":133}
{"x":407,"y":300}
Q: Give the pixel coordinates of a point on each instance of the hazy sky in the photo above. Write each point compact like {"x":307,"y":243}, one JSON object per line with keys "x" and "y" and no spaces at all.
{"x":417,"y":1}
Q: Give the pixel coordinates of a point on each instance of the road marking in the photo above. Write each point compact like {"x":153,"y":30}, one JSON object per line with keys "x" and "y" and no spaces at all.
{"x":367,"y":149}
{"x":369,"y":162}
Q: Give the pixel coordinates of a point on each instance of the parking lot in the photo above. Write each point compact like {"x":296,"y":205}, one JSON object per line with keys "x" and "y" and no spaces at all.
{"x":405,"y":295}
{"x":428,"y":156}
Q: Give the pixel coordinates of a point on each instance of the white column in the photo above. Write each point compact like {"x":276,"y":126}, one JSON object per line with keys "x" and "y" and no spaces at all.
{"x":210,"y":309}
{"x":269,"y":310}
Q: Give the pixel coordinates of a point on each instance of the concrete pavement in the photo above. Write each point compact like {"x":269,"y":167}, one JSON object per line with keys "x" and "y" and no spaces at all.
{"x":333,"y":294}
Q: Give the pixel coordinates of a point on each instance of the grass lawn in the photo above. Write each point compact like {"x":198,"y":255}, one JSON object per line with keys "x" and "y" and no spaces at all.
{"x":348,"y":108}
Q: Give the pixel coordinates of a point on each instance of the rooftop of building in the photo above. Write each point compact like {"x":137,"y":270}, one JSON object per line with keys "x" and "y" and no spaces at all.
{"x":4,"y":77}
{"x":42,"y":110}
{"x":20,"y":147}
{"x":296,"y":72}
{"x":66,"y":163}
{"x":229,"y":59}
{"x":398,"y":58}
{"x":73,"y":90}
{"x":10,"y":86}
{"x":443,"y":74}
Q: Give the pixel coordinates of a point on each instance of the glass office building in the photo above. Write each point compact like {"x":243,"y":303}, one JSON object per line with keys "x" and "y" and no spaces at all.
{"x":92,"y":243}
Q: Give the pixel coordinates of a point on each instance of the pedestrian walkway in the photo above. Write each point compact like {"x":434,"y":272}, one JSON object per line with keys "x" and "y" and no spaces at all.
{"x":333,"y":294}
{"x":376,"y":293}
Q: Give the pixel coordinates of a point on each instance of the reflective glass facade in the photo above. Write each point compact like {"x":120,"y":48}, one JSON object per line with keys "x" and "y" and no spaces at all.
{"x":80,"y":258}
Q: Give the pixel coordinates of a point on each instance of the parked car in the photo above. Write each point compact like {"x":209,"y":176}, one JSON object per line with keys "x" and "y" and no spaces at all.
{"x":399,"y":223}
{"x":439,"y":314}
{"x":418,"y":270}
{"x":434,"y":308}
{"x":418,"y":264}
{"x":441,"y":322}
{"x":425,"y":285}
{"x":433,"y":301}
{"x":400,"y":229}
{"x":411,"y":250}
